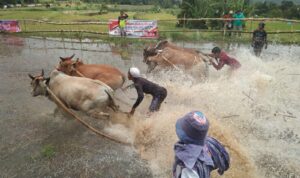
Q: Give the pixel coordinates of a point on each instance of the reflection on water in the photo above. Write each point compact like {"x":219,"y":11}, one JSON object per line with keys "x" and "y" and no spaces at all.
{"x":255,"y":113}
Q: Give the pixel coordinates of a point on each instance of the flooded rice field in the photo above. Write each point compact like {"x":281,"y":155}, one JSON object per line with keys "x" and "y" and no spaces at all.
{"x":255,"y":113}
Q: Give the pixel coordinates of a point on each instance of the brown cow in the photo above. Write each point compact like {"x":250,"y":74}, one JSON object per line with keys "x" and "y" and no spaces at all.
{"x":165,"y":54}
{"x":105,"y":73}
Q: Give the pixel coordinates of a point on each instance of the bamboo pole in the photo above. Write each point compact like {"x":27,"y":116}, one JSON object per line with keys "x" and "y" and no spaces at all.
{"x":24,"y":22}
{"x":185,"y":19}
{"x":161,"y":31}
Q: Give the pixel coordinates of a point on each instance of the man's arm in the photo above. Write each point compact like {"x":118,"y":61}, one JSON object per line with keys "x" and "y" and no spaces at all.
{"x":219,"y":65}
{"x":140,"y":98}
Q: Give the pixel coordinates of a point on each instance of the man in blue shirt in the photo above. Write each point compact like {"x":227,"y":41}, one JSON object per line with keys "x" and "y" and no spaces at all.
{"x":238,"y":22}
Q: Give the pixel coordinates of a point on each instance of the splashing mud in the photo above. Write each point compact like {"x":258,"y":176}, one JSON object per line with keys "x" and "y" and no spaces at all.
{"x":254,"y":113}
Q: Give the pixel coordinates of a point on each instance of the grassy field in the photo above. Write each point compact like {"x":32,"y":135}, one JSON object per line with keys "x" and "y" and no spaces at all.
{"x":72,"y":15}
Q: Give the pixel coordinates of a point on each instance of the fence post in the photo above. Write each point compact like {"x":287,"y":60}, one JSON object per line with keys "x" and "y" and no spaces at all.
{"x":224,"y":28}
{"x":251,"y":25}
{"x":184,"y":21}
{"x":24,"y":21}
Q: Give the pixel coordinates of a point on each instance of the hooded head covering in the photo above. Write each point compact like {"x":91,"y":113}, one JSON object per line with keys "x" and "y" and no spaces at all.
{"x":134,"y":72}
{"x":192,"y":128}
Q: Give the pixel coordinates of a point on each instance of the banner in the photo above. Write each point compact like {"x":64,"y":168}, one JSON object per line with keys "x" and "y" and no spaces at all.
{"x":9,"y":26}
{"x":135,"y":28}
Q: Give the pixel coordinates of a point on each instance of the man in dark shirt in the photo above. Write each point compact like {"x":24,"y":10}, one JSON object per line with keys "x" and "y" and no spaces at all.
{"x":144,"y":86}
{"x":122,"y":23}
{"x":259,"y":39}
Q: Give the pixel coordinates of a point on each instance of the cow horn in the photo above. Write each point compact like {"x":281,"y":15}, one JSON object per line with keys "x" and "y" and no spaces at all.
{"x":31,"y":76}
{"x":47,"y":80}
{"x":77,"y":60}
{"x":72,"y":56}
{"x":42,"y":72}
{"x":160,"y":44}
{"x":62,"y":59}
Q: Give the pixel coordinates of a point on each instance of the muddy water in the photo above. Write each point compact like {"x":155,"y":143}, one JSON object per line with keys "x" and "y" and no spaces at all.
{"x":35,"y":142}
{"x":255,"y":113}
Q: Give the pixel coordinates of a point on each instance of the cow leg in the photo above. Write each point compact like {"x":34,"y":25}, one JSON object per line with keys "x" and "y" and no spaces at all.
{"x":112,"y":104}
{"x":151,"y":66}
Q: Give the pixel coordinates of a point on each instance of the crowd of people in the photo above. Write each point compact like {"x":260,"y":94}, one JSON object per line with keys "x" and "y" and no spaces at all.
{"x":234,"y":22}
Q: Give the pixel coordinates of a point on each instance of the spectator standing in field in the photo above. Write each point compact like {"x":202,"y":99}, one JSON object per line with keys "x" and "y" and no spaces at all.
{"x":259,"y":39}
{"x":238,"y":21}
{"x":228,"y":24}
{"x":122,"y":23}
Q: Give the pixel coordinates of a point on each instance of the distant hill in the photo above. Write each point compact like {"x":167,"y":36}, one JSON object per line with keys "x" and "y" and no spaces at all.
{"x":275,"y":1}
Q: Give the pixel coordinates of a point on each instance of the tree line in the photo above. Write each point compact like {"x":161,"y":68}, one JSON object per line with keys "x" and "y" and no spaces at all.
{"x":199,"y":8}
{"x":217,"y":8}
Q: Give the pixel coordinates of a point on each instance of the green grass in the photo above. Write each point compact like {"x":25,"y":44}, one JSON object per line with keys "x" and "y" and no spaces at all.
{"x":48,"y":151}
{"x":70,"y":15}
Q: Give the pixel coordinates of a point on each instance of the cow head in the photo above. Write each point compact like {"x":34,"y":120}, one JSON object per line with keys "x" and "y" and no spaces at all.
{"x":148,"y":52}
{"x":39,"y":84}
{"x":68,"y":66}
{"x":153,"y":50}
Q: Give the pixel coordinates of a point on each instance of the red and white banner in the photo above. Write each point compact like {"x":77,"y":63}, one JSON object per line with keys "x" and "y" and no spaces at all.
{"x":9,"y":26}
{"x":135,"y":28}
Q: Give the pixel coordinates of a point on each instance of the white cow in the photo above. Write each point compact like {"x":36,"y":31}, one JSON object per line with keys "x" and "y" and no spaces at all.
{"x":78,"y":93}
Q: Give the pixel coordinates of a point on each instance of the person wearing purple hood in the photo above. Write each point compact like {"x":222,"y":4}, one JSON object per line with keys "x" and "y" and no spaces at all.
{"x":197,"y":154}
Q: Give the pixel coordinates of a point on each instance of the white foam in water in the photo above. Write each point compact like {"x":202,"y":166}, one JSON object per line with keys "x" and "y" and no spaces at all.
{"x":255,"y":113}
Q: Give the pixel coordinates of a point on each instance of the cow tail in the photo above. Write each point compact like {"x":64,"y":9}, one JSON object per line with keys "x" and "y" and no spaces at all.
{"x":124,"y":79}
{"x":112,"y":104}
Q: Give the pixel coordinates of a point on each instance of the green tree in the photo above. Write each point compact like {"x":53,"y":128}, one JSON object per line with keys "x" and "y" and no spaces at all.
{"x":197,"y":9}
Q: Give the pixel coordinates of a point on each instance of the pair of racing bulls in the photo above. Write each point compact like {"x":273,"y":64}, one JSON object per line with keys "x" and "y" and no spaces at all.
{"x":90,"y":87}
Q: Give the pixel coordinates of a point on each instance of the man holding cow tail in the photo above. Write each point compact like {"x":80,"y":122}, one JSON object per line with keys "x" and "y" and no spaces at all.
{"x":142,"y":86}
{"x":223,"y":59}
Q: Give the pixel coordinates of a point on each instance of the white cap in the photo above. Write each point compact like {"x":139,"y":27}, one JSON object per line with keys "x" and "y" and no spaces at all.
{"x":231,"y":12}
{"x":134,"y":72}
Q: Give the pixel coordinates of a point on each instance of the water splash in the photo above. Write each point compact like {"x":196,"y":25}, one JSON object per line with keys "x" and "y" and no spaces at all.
{"x":254,"y":113}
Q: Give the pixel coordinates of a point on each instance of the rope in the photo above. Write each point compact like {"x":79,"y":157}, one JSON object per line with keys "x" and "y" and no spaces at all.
{"x":170,"y":63}
{"x":62,"y":105}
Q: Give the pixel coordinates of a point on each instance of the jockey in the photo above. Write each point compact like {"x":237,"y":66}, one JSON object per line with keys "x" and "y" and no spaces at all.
{"x":217,"y":53}
{"x":197,"y":154}
{"x":142,"y":86}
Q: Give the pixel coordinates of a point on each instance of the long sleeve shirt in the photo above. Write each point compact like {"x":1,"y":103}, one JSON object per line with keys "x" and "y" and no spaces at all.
{"x":225,"y":59}
{"x":145,"y":86}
